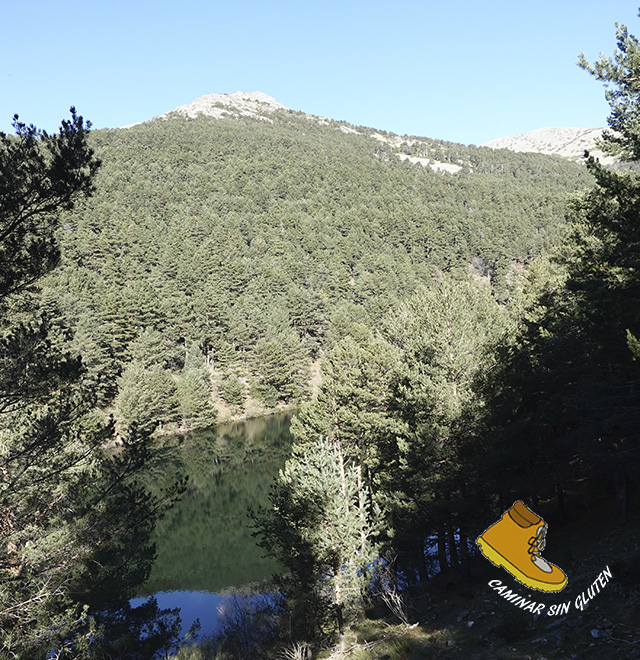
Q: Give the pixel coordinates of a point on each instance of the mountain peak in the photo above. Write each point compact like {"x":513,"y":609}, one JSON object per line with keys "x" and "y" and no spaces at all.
{"x":238,"y":104}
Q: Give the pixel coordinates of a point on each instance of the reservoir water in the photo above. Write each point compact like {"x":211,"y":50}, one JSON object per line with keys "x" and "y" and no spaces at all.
{"x":205,"y":547}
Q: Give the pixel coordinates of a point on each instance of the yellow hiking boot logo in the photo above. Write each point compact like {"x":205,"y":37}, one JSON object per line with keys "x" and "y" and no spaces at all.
{"x":515,"y":543}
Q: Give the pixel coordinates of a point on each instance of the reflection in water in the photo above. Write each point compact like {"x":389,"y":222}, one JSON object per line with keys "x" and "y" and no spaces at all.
{"x":204,"y":542}
{"x":193,"y":605}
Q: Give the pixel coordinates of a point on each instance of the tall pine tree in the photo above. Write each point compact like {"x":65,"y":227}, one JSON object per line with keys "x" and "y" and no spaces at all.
{"x":74,"y":525}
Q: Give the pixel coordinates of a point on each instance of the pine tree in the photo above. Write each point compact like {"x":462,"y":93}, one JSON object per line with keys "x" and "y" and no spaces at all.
{"x":233,"y":391}
{"x":448,"y":335}
{"x":281,"y":362}
{"x":352,"y":407}
{"x":567,"y":398}
{"x":146,"y":397}
{"x":322,"y":528}
{"x":620,"y":75}
{"x":72,"y":518}
{"x":194,"y":391}
{"x":604,"y":278}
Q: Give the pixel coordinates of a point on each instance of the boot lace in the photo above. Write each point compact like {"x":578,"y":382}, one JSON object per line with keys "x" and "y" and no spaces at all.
{"x":536,"y":546}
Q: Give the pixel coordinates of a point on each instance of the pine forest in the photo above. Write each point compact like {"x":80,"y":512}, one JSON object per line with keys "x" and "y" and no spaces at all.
{"x":454,"y":329}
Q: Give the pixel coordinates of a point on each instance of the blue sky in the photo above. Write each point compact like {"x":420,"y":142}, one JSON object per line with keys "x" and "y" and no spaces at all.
{"x":458,"y":70}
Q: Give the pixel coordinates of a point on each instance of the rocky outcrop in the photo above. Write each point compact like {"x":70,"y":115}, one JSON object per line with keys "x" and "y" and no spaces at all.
{"x":239,"y":104}
{"x":569,"y":143}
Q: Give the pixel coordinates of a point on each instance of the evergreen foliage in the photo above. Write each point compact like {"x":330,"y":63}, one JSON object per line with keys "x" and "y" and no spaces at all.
{"x":322,"y":529}
{"x":477,"y":395}
{"x":459,"y":367}
{"x":449,"y":337}
{"x":233,"y":391}
{"x":74,"y":522}
{"x":620,"y":76}
{"x":569,"y":393}
{"x":146,"y":396}
{"x":259,"y":241}
{"x":194,"y":391}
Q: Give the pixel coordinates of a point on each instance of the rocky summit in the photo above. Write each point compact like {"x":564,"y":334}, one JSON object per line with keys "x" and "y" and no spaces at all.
{"x":238,"y":104}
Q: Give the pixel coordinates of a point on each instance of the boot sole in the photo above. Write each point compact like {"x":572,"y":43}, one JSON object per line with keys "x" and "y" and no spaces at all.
{"x":498,"y":560}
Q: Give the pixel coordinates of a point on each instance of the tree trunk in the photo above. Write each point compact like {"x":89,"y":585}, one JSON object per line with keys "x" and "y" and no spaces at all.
{"x":419,"y":559}
{"x":340,"y":619}
{"x":464,"y":551}
{"x":442,"y":551}
{"x":453,"y":550}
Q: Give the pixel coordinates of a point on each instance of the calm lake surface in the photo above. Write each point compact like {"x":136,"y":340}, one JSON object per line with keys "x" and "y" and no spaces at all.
{"x":205,"y":546}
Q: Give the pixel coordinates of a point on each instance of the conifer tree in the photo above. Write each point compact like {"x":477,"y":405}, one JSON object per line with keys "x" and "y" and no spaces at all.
{"x":353,"y":405}
{"x":72,"y":518}
{"x":448,"y":335}
{"x":604,"y":278}
{"x":194,"y":391}
{"x":620,"y":75}
{"x":567,"y":398}
{"x":323,"y":530}
{"x":146,"y":397}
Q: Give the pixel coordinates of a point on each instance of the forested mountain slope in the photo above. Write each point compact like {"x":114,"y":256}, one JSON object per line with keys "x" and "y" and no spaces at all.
{"x":226,"y":253}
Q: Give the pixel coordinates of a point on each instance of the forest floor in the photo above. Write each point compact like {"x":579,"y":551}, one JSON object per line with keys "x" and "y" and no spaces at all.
{"x":458,"y":615}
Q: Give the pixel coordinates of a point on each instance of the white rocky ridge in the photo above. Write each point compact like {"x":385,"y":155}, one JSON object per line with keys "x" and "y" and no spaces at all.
{"x":569,"y":143}
{"x":238,"y":104}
